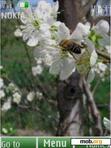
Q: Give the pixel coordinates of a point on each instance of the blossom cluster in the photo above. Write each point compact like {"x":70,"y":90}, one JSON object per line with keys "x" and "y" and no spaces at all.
{"x":41,"y":30}
{"x":11,"y":94}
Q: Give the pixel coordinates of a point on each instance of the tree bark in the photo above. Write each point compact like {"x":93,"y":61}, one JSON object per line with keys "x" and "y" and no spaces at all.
{"x":70,"y":107}
{"x":73,"y":11}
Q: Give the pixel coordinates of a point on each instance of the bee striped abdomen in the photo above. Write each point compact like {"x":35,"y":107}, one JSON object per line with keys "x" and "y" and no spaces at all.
{"x":76,"y":49}
{"x":71,"y":46}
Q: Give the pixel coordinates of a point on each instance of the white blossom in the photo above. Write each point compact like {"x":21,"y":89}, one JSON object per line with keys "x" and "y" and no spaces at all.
{"x":62,"y":63}
{"x":18,"y":33}
{"x":39,"y":95}
{"x":102,"y":27}
{"x":107,"y":124}
{"x":4,"y":131}
{"x":81,"y":31}
{"x":7,"y":105}
{"x":33,"y":29}
{"x":36,"y":23}
{"x":16,"y":98}
{"x":37,"y":70}
{"x":48,"y":59}
{"x":108,"y":48}
{"x":1,"y":83}
{"x":38,"y":61}
{"x":91,"y":75}
{"x":93,"y":58}
{"x":64,"y":67}
{"x":2,"y":94}
{"x":30,"y":96}
{"x":90,"y":45}
{"x":41,"y":30}
{"x":47,"y":11}
{"x":102,"y":67}
{"x":1,"y":67}
{"x":12,"y":87}
{"x":98,"y":68}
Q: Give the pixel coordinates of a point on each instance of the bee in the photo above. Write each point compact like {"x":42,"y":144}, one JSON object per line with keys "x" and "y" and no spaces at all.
{"x":71,"y":46}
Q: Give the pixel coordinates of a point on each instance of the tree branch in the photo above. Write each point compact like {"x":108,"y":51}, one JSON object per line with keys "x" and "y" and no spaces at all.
{"x":103,"y":55}
{"x":93,"y":109}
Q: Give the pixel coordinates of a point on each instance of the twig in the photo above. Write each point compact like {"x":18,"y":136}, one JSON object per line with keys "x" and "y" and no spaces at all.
{"x":96,"y":86}
{"x":93,"y":108}
{"x":104,"y":55}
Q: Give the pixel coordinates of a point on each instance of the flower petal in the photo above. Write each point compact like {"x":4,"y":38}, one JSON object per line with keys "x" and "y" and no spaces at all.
{"x":26,"y":16}
{"x":63,"y":32}
{"x":90,"y":45}
{"x":80,"y":31}
{"x":108,"y":48}
{"x":102,"y":67}
{"x":37,"y":70}
{"x":32,"y":42}
{"x":107,"y":123}
{"x":102,"y":26}
{"x":7,"y":105}
{"x":55,"y":67}
{"x":67,"y":69}
{"x":91,"y":76}
{"x":18,"y":33}
{"x":93,"y":58}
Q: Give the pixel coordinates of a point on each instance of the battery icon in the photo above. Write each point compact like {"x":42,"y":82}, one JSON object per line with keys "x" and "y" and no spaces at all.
{"x":24,"y":4}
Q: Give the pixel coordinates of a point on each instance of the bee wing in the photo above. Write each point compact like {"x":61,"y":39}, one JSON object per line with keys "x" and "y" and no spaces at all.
{"x":83,"y":63}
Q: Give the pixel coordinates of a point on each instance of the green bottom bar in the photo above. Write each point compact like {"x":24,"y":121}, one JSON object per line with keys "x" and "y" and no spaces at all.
{"x":44,"y":142}
{"x":18,"y":142}
{"x":54,"y":143}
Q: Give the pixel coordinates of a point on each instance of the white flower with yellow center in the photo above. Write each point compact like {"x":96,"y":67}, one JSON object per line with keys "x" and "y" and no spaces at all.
{"x":33,"y":29}
{"x":36,"y":23}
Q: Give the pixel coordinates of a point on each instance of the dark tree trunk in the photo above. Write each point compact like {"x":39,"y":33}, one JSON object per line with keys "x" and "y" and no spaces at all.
{"x":69,"y":97}
{"x":70,"y":107}
{"x":74,"y":11}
